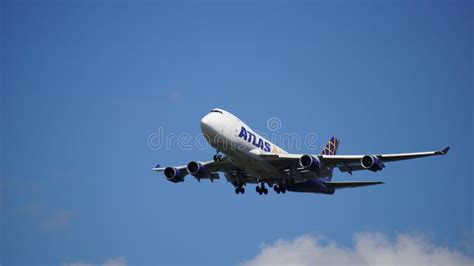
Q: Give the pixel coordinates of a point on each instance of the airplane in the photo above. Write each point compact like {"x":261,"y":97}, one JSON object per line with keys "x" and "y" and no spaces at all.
{"x":250,"y":158}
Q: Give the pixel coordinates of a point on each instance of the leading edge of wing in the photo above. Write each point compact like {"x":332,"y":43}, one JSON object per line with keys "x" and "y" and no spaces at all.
{"x":211,"y":166}
{"x":396,"y":156}
{"x":159,"y":169}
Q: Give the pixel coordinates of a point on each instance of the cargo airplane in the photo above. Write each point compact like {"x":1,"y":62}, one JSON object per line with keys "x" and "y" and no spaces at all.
{"x":252,"y":159}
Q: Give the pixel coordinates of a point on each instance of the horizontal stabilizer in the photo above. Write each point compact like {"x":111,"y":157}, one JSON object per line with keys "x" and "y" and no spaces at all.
{"x":349,"y":184}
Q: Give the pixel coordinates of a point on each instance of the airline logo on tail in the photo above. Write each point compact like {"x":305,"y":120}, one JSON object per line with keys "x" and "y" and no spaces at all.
{"x":331,"y":147}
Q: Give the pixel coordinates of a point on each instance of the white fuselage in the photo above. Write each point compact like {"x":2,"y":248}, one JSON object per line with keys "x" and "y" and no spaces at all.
{"x":231,"y":136}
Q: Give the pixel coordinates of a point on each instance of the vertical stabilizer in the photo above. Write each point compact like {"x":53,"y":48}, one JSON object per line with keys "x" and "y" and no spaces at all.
{"x":331,"y":147}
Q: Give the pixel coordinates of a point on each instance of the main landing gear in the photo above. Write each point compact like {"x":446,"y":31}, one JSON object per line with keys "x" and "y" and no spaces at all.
{"x":261,"y":189}
{"x":279,"y":189}
{"x":239,"y":188}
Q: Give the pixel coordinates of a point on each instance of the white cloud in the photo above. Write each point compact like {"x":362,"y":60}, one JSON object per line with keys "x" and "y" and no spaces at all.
{"x":78,"y":263}
{"x":45,"y":217}
{"x":119,"y":261}
{"x":468,"y":241}
{"x":369,"y":249}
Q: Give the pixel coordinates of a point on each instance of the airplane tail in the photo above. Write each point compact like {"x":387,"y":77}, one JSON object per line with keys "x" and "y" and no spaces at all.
{"x":331,"y":147}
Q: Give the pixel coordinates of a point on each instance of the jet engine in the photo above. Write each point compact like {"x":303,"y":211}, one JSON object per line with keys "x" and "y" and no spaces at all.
{"x":174,"y":174}
{"x":372,"y":163}
{"x":310,"y":162}
{"x":196,"y":169}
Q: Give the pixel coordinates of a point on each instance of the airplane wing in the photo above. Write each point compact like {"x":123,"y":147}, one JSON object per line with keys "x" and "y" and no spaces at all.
{"x":336,"y":160}
{"x":349,"y":163}
{"x":348,"y":184}
{"x":345,"y":163}
{"x":210,"y":170}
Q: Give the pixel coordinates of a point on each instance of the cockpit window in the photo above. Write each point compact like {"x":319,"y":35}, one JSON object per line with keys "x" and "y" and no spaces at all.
{"x":216,"y":111}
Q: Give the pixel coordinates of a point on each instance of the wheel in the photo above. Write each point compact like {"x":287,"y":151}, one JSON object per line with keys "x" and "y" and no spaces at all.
{"x":265,"y":191}
{"x":215,"y":158}
{"x":242,"y":190}
{"x":277,"y":189}
{"x":219,"y":158}
{"x":283,"y":190}
{"x":257,"y":188}
{"x":237,"y":190}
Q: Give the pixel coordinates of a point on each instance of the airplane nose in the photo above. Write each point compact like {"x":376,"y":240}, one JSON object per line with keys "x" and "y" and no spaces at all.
{"x":208,"y":125}
{"x":205,"y":121}
{"x":211,"y":127}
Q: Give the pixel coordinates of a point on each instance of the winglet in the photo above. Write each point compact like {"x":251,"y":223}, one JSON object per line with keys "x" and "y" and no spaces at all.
{"x":444,"y":151}
{"x":156,"y":168}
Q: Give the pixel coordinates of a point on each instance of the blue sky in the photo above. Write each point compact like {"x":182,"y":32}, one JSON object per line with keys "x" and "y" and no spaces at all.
{"x":84,"y":85}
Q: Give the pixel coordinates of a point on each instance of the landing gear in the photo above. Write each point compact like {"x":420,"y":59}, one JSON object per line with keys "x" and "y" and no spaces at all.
{"x":239,"y":187}
{"x":239,"y":190}
{"x":279,"y":189}
{"x":217,"y":157}
{"x":261,"y":189}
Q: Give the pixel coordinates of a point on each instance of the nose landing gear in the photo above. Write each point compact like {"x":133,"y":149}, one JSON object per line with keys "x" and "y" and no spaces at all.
{"x":217,"y":158}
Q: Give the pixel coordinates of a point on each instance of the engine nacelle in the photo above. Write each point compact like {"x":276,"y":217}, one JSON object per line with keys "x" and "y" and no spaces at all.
{"x":310,"y":162}
{"x":174,"y":175}
{"x":196,"y":169}
{"x":372,"y":163}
